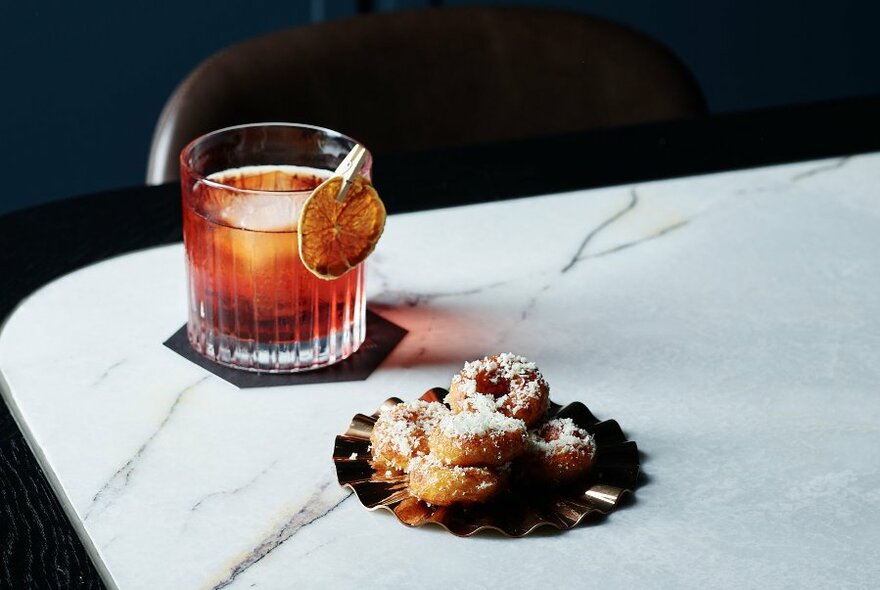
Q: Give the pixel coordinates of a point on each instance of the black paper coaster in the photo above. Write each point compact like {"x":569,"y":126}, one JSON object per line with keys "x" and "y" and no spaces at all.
{"x":382,"y":337}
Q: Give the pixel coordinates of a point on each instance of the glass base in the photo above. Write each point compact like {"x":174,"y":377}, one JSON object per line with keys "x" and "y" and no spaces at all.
{"x":287,"y":357}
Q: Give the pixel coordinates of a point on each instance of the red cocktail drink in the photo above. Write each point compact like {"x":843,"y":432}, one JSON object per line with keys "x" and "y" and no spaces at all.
{"x":252,"y":303}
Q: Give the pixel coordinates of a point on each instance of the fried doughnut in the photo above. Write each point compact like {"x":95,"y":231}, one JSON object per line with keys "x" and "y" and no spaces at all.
{"x":483,"y":437}
{"x":558,"y":452}
{"x":401,"y":432}
{"x":439,"y":484}
{"x":516,"y":384}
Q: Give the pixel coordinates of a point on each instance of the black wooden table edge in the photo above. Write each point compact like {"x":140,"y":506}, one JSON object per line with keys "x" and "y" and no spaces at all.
{"x":38,"y":547}
{"x":54,"y":484}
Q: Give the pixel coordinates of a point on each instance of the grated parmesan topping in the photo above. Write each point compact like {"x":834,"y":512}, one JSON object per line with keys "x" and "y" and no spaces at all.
{"x":479,"y":423}
{"x":469,"y":386}
{"x":405,"y":423}
{"x":561,"y":435}
{"x":522,"y":395}
{"x":515,"y":374}
{"x":506,"y":366}
{"x":430,"y":461}
{"x":427,"y":463}
{"x":479,"y":402}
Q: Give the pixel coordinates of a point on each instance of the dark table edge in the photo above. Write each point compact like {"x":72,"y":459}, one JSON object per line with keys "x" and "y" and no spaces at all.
{"x":54,"y":482}
{"x":626,"y":155}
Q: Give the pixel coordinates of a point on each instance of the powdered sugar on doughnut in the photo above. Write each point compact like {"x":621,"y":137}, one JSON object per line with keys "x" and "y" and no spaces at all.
{"x":522,"y":395}
{"x":432,"y":461}
{"x":517,"y":387}
{"x":479,"y":402}
{"x":505,"y":365}
{"x":478,"y":423}
{"x":561,"y":435}
{"x":412,"y":419}
{"x":402,"y":430}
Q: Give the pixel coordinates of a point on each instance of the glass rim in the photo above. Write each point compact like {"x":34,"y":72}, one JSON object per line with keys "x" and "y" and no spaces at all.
{"x":199,"y":177}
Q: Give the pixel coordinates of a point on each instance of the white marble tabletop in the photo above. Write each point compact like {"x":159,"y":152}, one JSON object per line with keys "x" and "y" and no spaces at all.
{"x":729,"y":322}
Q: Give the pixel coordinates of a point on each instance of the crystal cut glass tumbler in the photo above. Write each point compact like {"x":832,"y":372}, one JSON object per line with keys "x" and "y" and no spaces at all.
{"x":252,"y":303}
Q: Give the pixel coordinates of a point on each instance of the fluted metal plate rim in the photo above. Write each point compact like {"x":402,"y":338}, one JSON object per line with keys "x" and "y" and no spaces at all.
{"x":518,"y":512}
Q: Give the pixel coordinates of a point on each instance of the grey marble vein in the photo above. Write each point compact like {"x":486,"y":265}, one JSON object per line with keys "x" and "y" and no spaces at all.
{"x":112,"y":540}
{"x":107,"y":372}
{"x":578,"y":256}
{"x":233,"y":491}
{"x":117,"y":483}
{"x":836,"y":165}
{"x":756,"y":190}
{"x":314,"y":508}
{"x":414,"y":299}
{"x":533,"y":301}
{"x":656,"y":234}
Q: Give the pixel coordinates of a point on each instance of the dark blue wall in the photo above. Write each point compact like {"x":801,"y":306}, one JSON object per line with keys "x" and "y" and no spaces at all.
{"x":83,"y":82}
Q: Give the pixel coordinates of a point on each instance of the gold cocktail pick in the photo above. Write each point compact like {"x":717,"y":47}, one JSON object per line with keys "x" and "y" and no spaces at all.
{"x":349,"y":168}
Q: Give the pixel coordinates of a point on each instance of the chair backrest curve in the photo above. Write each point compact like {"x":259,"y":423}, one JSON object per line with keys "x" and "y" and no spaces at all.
{"x":413,"y":80}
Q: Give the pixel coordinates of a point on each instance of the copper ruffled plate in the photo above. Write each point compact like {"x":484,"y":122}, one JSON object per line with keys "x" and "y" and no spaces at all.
{"x":514,"y":513}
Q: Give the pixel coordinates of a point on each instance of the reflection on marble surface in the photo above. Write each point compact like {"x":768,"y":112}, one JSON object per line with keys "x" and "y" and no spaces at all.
{"x":730,"y":322}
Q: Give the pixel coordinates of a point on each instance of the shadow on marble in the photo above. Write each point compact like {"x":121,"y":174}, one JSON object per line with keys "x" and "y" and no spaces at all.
{"x":458,"y":342}
{"x":644,"y":478}
{"x":628,"y":499}
{"x":589,"y":521}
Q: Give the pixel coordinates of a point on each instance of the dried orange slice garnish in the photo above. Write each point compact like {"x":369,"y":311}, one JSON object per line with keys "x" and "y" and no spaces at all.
{"x":334,"y":236}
